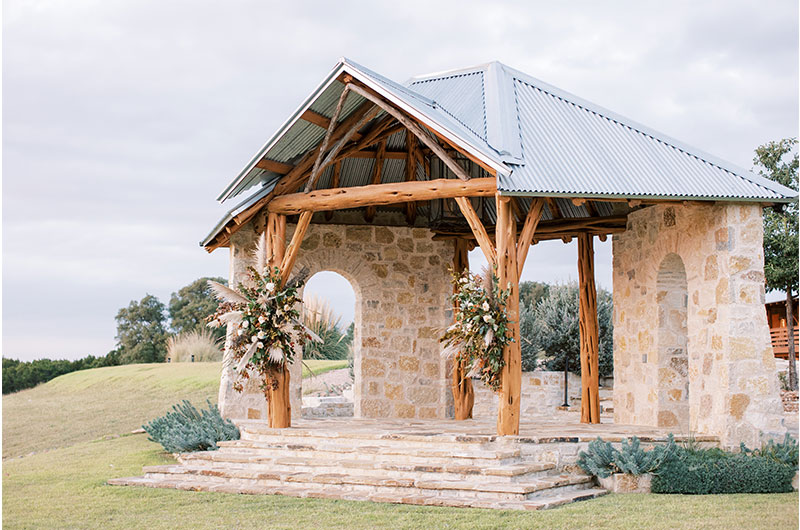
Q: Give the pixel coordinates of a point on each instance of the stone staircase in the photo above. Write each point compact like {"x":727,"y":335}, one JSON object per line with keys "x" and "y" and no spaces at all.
{"x":409,"y":468}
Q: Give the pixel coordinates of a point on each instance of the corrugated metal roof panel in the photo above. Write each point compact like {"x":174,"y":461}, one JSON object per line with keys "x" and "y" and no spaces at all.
{"x":460,"y":95}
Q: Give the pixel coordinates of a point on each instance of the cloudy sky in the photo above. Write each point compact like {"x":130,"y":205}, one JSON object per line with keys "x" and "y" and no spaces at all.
{"x":123,"y":120}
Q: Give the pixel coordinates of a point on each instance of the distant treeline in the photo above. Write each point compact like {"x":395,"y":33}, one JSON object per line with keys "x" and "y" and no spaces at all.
{"x":19,"y":375}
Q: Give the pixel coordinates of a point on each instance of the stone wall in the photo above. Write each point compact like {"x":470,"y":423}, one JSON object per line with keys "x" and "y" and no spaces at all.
{"x":542,"y":391}
{"x":691,"y":342}
{"x":402,"y":288}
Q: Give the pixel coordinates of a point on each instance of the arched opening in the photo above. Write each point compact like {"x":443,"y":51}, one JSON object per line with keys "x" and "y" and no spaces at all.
{"x":330,"y":312}
{"x":673,"y":359}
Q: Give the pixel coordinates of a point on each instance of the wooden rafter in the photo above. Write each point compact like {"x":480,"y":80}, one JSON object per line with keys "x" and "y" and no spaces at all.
{"x":316,"y":118}
{"x":478,"y":230}
{"x":394,"y":155}
{"x":414,"y":128}
{"x":377,"y":171}
{"x":381,"y":195}
{"x":337,"y":172}
{"x":555,"y":211}
{"x":528,"y":230}
{"x":411,"y":174}
{"x":324,"y":145}
{"x":273,"y":165}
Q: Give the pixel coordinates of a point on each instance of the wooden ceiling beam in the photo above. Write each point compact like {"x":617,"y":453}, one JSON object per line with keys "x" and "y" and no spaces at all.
{"x":273,"y":165}
{"x":377,"y":172}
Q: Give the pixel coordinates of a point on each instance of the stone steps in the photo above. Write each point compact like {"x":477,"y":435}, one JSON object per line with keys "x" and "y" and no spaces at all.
{"x":444,"y":469}
{"x":326,"y":492}
{"x":399,"y":467}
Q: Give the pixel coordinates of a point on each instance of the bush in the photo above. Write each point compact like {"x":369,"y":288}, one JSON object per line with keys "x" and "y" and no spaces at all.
{"x":318,"y":316}
{"x":202,"y":344}
{"x":19,"y":375}
{"x":603,"y":460}
{"x":186,"y":429}
{"x":705,"y":471}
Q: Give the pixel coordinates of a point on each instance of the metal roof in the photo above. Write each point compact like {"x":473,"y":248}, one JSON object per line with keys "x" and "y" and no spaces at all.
{"x":540,"y":140}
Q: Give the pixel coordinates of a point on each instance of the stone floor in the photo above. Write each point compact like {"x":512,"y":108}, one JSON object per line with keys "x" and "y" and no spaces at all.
{"x":559,"y":425}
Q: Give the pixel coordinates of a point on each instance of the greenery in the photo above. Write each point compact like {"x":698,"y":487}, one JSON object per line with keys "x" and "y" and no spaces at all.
{"x":194,"y":346}
{"x":266,"y":321}
{"x":66,"y":487}
{"x":551,"y":328}
{"x":480,"y":332}
{"x":142,"y":331}
{"x":531,"y":292}
{"x":778,"y":161}
{"x":319,"y":317}
{"x":785,"y":452}
{"x":185,"y":429}
{"x":705,"y":471}
{"x":19,"y":375}
{"x":603,"y":460}
{"x":192,"y":304}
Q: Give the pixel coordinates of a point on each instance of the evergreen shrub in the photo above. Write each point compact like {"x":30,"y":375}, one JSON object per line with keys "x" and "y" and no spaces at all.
{"x":603,"y":460}
{"x":185,"y":429}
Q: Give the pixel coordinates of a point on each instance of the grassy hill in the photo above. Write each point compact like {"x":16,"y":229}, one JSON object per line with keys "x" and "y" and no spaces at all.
{"x":89,"y":404}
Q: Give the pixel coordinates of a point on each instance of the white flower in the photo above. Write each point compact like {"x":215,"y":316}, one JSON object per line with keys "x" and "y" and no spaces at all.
{"x":286,"y":307}
{"x":245,"y":323}
{"x":485,"y":306}
{"x":261,"y":334}
{"x":486,"y":318}
{"x":253,"y":338}
{"x":240,"y":332}
{"x":260,"y":345}
{"x":262,"y":319}
{"x":270,"y":287}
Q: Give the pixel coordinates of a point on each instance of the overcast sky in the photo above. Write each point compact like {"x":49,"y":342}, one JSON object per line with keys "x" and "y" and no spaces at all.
{"x":123,"y":120}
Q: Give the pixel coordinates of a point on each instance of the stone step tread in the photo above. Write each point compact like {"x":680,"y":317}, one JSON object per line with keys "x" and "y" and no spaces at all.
{"x":519,"y":488}
{"x":259,"y":429}
{"x":490,"y":454}
{"x":423,"y":500}
{"x":507,"y":470}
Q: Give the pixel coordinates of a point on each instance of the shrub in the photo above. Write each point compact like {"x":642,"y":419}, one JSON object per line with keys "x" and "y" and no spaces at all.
{"x":185,"y":429}
{"x":319,"y":317}
{"x":785,"y":452}
{"x":602,"y":459}
{"x":715,"y":471}
{"x":203,"y":344}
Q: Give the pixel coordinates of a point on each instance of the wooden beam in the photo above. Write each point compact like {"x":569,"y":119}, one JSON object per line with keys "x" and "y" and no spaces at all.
{"x":276,"y":239}
{"x":377,"y":171}
{"x":316,"y":118}
{"x":508,"y":407}
{"x":478,"y":230}
{"x":381,"y":195}
{"x":394,"y":155}
{"x":273,"y":165}
{"x":463,"y":393}
{"x":327,"y":137}
{"x":337,"y":172}
{"x":294,"y":246}
{"x":414,"y":128}
{"x":411,"y":175}
{"x":589,"y":331}
{"x":528,"y":229}
{"x":555,"y":211}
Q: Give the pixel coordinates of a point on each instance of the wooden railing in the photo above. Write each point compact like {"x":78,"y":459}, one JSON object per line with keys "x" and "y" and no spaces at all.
{"x":780,"y":342}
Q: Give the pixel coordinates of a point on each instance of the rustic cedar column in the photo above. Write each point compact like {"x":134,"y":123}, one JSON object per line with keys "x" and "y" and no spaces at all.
{"x":277,"y":379}
{"x":463,"y":394}
{"x":590,"y":359}
{"x":505,"y":235}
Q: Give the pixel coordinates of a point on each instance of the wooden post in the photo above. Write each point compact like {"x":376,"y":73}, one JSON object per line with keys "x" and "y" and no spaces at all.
{"x":279,"y":408}
{"x":590,"y":359}
{"x":511,"y":377}
{"x":463,"y":393}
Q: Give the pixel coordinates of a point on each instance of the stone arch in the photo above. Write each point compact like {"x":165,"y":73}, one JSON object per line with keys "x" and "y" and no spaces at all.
{"x":672,"y":296}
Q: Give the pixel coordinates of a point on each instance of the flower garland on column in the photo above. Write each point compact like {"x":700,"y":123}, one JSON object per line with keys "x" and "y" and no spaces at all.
{"x":264,"y":320}
{"x":480,"y":331}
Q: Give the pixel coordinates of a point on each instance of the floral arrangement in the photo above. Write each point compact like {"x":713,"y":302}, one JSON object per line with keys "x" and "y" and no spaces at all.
{"x":264,"y":317}
{"x":480,"y":332}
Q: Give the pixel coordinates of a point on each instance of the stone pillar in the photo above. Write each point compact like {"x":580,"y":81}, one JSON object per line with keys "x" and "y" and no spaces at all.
{"x":732,"y":387}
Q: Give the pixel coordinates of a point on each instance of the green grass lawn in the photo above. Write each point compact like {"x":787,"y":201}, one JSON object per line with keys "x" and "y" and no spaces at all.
{"x":65,"y":487}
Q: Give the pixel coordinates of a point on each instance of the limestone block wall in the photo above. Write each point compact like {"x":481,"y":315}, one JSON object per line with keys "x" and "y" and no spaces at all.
{"x":691,"y":343}
{"x":542,"y":391}
{"x":402,"y":288}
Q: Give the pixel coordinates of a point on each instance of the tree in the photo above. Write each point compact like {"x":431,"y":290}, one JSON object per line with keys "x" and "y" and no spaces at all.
{"x":531,"y":292}
{"x":141,"y":331}
{"x":189,"y":307}
{"x":778,"y":161}
{"x":552,"y":328}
